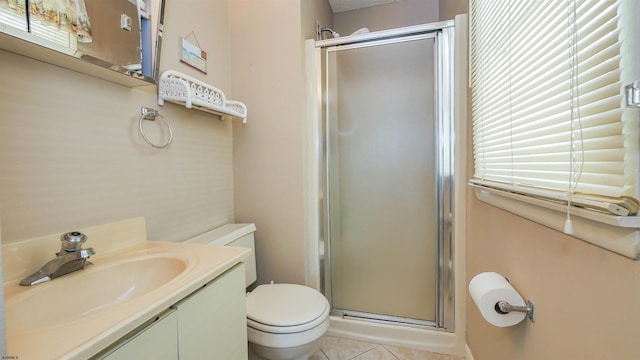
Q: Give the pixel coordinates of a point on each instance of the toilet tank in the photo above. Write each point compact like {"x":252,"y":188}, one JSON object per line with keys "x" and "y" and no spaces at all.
{"x":240,"y":235}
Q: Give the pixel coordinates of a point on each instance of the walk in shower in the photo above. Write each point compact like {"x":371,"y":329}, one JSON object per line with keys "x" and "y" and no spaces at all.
{"x":386,"y":158}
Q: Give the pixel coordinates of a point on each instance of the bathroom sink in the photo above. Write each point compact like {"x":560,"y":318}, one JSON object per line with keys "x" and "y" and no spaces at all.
{"x":85,"y":292}
{"x":80,"y":314}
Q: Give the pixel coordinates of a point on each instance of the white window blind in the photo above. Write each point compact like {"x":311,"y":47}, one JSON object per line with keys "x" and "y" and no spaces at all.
{"x":548,"y":107}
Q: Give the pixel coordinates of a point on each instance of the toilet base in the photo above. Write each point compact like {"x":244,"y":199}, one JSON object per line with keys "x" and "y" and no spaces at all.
{"x":302,"y":352}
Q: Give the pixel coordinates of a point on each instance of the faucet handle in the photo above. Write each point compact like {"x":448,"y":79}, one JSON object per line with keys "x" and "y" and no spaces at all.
{"x":72,"y":241}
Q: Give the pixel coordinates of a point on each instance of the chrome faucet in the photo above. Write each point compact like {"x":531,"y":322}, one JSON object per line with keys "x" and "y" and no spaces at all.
{"x":70,"y":258}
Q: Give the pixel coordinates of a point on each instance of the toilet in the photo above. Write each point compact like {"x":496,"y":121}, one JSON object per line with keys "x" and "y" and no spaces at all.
{"x":284,"y":321}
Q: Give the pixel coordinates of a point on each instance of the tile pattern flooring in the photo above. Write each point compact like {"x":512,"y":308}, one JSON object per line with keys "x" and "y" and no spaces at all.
{"x":334,"y":348}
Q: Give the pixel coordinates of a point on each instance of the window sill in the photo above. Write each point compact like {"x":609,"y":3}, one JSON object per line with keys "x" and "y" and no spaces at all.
{"x":619,"y":234}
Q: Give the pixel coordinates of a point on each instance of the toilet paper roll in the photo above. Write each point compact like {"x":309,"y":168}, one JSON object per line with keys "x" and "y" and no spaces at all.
{"x":487,"y":289}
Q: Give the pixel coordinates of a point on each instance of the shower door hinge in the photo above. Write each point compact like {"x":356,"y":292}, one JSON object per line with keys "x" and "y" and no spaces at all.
{"x":632,"y":92}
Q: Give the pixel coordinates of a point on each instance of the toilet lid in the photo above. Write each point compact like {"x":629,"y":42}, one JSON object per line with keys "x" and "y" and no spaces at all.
{"x":285,"y":305}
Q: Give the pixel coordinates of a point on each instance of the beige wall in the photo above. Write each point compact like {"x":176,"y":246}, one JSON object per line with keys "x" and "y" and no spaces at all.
{"x":189,"y":187}
{"x":450,"y":8}
{"x":268,"y":75}
{"x":71,"y":157}
{"x":267,"y":57}
{"x":200,"y":22}
{"x":387,"y":16}
{"x":312,"y":11}
{"x":585,"y":297}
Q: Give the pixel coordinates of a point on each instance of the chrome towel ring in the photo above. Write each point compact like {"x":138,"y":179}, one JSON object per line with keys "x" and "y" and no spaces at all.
{"x":151,"y":115}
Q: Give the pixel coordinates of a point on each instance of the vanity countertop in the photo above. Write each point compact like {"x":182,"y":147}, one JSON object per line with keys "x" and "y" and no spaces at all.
{"x":56,"y":319}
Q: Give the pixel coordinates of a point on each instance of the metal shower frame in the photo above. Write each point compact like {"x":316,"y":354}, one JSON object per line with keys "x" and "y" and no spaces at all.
{"x":443,"y":34}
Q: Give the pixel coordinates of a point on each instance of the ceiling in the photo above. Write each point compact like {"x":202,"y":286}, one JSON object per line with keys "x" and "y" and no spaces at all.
{"x":346,"y":5}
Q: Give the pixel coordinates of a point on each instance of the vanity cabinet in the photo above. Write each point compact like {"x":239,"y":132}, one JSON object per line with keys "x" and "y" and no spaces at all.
{"x":208,"y":324}
{"x":212,"y":324}
{"x":155,"y":341}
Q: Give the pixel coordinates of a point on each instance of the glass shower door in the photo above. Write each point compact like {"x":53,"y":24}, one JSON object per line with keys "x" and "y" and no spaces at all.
{"x":382,"y":179}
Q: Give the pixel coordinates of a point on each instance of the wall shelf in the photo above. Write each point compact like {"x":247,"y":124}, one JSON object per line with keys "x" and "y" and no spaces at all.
{"x":184,"y":90}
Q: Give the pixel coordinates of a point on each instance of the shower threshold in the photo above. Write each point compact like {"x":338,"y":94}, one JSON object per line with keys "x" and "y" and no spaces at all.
{"x":385,"y":319}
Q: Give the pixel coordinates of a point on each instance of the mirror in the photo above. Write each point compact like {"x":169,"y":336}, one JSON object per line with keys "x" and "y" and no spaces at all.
{"x":118,"y":40}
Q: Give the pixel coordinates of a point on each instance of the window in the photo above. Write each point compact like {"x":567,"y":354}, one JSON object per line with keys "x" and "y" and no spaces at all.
{"x":553,"y":139}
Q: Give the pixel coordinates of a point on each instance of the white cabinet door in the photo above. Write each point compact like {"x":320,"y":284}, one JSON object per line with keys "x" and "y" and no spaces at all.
{"x":212,"y":322}
{"x":158,"y":341}
{"x":209,"y":324}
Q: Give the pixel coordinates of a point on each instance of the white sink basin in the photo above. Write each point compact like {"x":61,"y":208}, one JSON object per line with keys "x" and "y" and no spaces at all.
{"x":83,"y":292}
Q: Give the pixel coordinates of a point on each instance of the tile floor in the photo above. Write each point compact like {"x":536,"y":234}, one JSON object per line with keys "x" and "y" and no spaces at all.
{"x":334,"y":348}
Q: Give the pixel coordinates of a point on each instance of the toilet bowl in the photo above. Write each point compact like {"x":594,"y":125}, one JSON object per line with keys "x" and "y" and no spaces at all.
{"x":284,"y":321}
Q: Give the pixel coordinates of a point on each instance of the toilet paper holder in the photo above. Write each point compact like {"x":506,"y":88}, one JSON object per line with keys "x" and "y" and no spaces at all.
{"x":503,"y":307}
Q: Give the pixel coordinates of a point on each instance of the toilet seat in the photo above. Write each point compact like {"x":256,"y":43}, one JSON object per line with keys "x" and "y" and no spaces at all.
{"x":286,"y":308}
